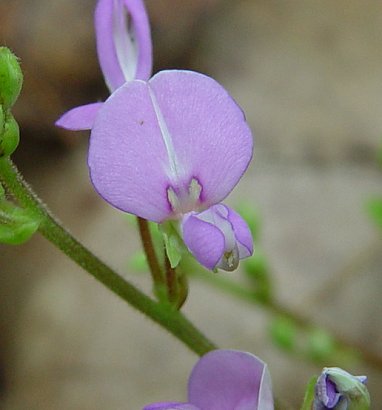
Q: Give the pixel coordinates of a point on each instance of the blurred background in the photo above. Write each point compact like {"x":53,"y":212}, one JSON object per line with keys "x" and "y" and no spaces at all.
{"x":308,"y":75}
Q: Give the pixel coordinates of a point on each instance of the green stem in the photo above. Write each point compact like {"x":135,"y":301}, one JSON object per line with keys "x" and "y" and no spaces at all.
{"x":182,"y":288}
{"x":170,"y":319}
{"x":148,"y":247}
{"x":171,"y":279}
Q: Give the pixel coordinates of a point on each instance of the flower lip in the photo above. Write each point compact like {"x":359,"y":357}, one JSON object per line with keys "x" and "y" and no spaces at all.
{"x":217,"y":237}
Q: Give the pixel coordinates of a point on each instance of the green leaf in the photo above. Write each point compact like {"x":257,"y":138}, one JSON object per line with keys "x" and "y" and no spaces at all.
{"x":374,"y":210}
{"x":309,"y":394}
{"x":2,"y":193}
{"x":283,"y":332}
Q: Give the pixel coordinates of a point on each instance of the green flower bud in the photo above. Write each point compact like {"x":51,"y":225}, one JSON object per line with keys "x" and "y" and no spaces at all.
{"x":11,"y":78}
{"x":17,"y":225}
{"x":338,"y":389}
{"x":9,"y":139}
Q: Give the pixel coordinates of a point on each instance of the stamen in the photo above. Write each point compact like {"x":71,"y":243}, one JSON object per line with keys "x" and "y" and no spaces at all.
{"x":182,"y":200}
{"x":173,"y":199}
{"x":229,"y":260}
{"x":194,"y":190}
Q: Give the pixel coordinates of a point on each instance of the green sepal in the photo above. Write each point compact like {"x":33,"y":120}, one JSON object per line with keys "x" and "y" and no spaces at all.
{"x":173,"y":243}
{"x":309,"y":394}
{"x":374,"y":210}
{"x":283,"y":332}
{"x":156,"y":234}
{"x":351,"y":387}
{"x":11,"y":78}
{"x":17,"y":225}
{"x":9,"y":139}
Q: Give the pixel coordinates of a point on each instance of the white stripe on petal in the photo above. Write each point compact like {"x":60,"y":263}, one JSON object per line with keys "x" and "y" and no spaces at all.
{"x":175,"y":171}
{"x":124,"y":40}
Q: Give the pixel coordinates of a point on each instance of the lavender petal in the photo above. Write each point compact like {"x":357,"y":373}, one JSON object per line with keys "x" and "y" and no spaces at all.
{"x":170,"y":406}
{"x":154,"y":138}
{"x":204,"y":240}
{"x":123,"y":41}
{"x":230,"y":379}
{"x":79,"y":118}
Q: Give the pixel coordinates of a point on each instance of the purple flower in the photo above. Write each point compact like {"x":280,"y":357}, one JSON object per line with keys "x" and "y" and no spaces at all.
{"x":339,"y":390}
{"x":124,"y":52}
{"x":172,"y":148}
{"x":226,"y":380}
{"x":167,"y":148}
{"x":218,"y":237}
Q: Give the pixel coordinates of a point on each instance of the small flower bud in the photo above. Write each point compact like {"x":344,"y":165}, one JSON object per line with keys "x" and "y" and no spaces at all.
{"x":337,"y":389}
{"x":17,"y":225}
{"x":9,"y":137}
{"x":11,"y":78}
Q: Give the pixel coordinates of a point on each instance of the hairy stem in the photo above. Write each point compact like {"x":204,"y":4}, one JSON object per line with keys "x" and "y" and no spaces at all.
{"x":169,"y":318}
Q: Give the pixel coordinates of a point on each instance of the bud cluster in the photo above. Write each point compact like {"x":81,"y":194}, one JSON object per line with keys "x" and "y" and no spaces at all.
{"x":11,"y":80}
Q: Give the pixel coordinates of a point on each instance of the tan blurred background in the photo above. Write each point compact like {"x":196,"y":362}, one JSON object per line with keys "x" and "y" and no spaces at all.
{"x":309,"y":77}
